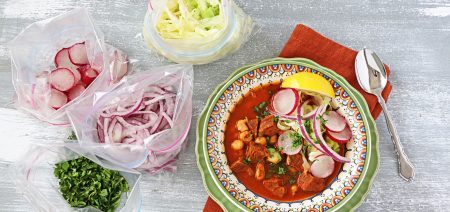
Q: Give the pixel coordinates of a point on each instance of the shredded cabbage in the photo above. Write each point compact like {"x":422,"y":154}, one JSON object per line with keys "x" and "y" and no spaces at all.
{"x":187,"y":19}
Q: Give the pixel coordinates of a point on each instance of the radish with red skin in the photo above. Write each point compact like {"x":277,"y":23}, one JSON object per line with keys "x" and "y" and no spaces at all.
{"x":340,"y":137}
{"x":88,"y":76}
{"x":334,"y":121}
{"x":75,"y":91}
{"x":322,"y":166}
{"x":62,"y":79}
{"x":62,"y":60}
{"x":78,"y":54}
{"x":285,"y":101}
{"x":57,"y":99}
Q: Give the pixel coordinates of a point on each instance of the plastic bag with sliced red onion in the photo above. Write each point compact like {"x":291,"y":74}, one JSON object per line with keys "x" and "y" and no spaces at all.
{"x":141,"y":122}
{"x":57,"y":61}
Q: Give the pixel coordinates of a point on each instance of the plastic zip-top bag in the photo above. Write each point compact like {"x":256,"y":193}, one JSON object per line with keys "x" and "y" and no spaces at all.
{"x":56,"y":61}
{"x":141,"y":122}
{"x":197,"y":31}
{"x":36,"y":178}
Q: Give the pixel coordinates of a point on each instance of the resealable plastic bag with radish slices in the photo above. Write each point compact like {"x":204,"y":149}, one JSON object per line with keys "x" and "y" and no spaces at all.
{"x":65,"y":177}
{"x":55,"y":61}
{"x":142,"y":121}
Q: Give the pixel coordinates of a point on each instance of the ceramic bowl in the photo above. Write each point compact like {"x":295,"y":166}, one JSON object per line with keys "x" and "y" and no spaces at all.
{"x":344,"y":193}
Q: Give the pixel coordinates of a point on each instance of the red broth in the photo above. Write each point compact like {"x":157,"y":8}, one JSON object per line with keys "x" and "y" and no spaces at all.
{"x":244,"y":108}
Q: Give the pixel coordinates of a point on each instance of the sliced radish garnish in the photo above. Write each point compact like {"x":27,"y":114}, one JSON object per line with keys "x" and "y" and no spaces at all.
{"x":322,"y":166}
{"x":286,"y":143}
{"x":75,"y":91}
{"x":285,"y":101}
{"x":78,"y":54}
{"x":62,"y":79}
{"x":341,"y":137}
{"x":88,"y":76}
{"x":57,"y":99}
{"x":62,"y":60}
{"x":334,"y":121}
{"x":318,"y":134}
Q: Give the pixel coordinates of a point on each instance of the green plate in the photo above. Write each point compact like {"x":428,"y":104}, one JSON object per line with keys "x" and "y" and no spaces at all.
{"x":347,"y":190}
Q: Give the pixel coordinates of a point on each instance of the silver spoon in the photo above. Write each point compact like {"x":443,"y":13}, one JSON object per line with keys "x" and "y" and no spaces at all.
{"x":371,"y":75}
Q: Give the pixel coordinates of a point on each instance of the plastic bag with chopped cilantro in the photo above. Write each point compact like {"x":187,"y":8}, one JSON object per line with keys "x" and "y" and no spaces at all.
{"x":34,"y":176}
{"x":195,"y":31}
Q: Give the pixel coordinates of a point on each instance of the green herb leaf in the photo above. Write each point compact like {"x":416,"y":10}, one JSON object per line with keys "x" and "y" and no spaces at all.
{"x":84,"y":183}
{"x":281,"y":170}
{"x":72,"y":136}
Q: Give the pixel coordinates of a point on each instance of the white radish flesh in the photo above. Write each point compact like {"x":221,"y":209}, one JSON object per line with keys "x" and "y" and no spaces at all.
{"x":76,"y":91}
{"x":322,"y":166}
{"x":334,"y":121}
{"x":285,"y":101}
{"x":340,"y":137}
{"x":57,"y":99}
{"x":62,"y":60}
{"x":78,"y":54}
{"x":286,"y":143}
{"x":62,"y":79}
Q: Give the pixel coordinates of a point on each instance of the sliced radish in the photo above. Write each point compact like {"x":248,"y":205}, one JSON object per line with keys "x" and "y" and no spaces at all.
{"x":62,"y":60}
{"x":75,"y":91}
{"x":83,"y":68}
{"x":322,"y":166}
{"x":334,"y":121}
{"x":318,"y":134}
{"x":62,"y":79}
{"x":285,"y":101}
{"x":286,"y":143}
{"x":76,"y":74}
{"x":78,"y":54}
{"x":341,"y":137}
{"x":88,"y":76}
{"x":57,"y":99}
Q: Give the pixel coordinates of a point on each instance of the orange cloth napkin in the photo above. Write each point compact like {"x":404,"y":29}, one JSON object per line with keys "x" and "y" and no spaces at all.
{"x":307,"y":43}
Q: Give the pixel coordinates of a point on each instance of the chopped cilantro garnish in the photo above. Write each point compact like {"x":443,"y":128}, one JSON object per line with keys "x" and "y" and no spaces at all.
{"x":246,"y":161}
{"x":296,"y":139}
{"x":281,"y":170}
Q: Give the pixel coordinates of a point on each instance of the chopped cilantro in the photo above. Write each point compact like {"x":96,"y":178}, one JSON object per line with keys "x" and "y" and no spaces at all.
{"x":281,"y":170}
{"x":292,"y":181}
{"x":296,"y":139}
{"x":246,"y":161}
{"x":72,"y":136}
{"x":275,"y":119}
{"x":322,"y":120}
{"x":308,"y":126}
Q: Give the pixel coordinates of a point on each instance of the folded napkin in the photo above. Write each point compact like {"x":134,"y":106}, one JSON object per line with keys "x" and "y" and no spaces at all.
{"x":307,"y":43}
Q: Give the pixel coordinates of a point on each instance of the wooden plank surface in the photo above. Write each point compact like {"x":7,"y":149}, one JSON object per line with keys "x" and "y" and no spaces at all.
{"x":413,"y":37}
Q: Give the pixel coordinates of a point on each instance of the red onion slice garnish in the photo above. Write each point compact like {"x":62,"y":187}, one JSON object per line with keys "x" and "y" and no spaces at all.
{"x":304,"y":133}
{"x":302,"y":110}
{"x":318,"y":133}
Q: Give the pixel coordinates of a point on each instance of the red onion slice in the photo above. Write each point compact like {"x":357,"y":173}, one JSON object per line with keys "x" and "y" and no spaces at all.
{"x":302,"y":110}
{"x":304,"y":133}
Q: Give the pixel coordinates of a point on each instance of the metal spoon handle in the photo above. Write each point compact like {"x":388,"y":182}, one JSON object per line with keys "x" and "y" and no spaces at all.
{"x":405,"y":168}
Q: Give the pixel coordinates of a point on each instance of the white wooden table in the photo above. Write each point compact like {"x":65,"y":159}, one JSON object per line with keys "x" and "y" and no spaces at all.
{"x":413,"y":37}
